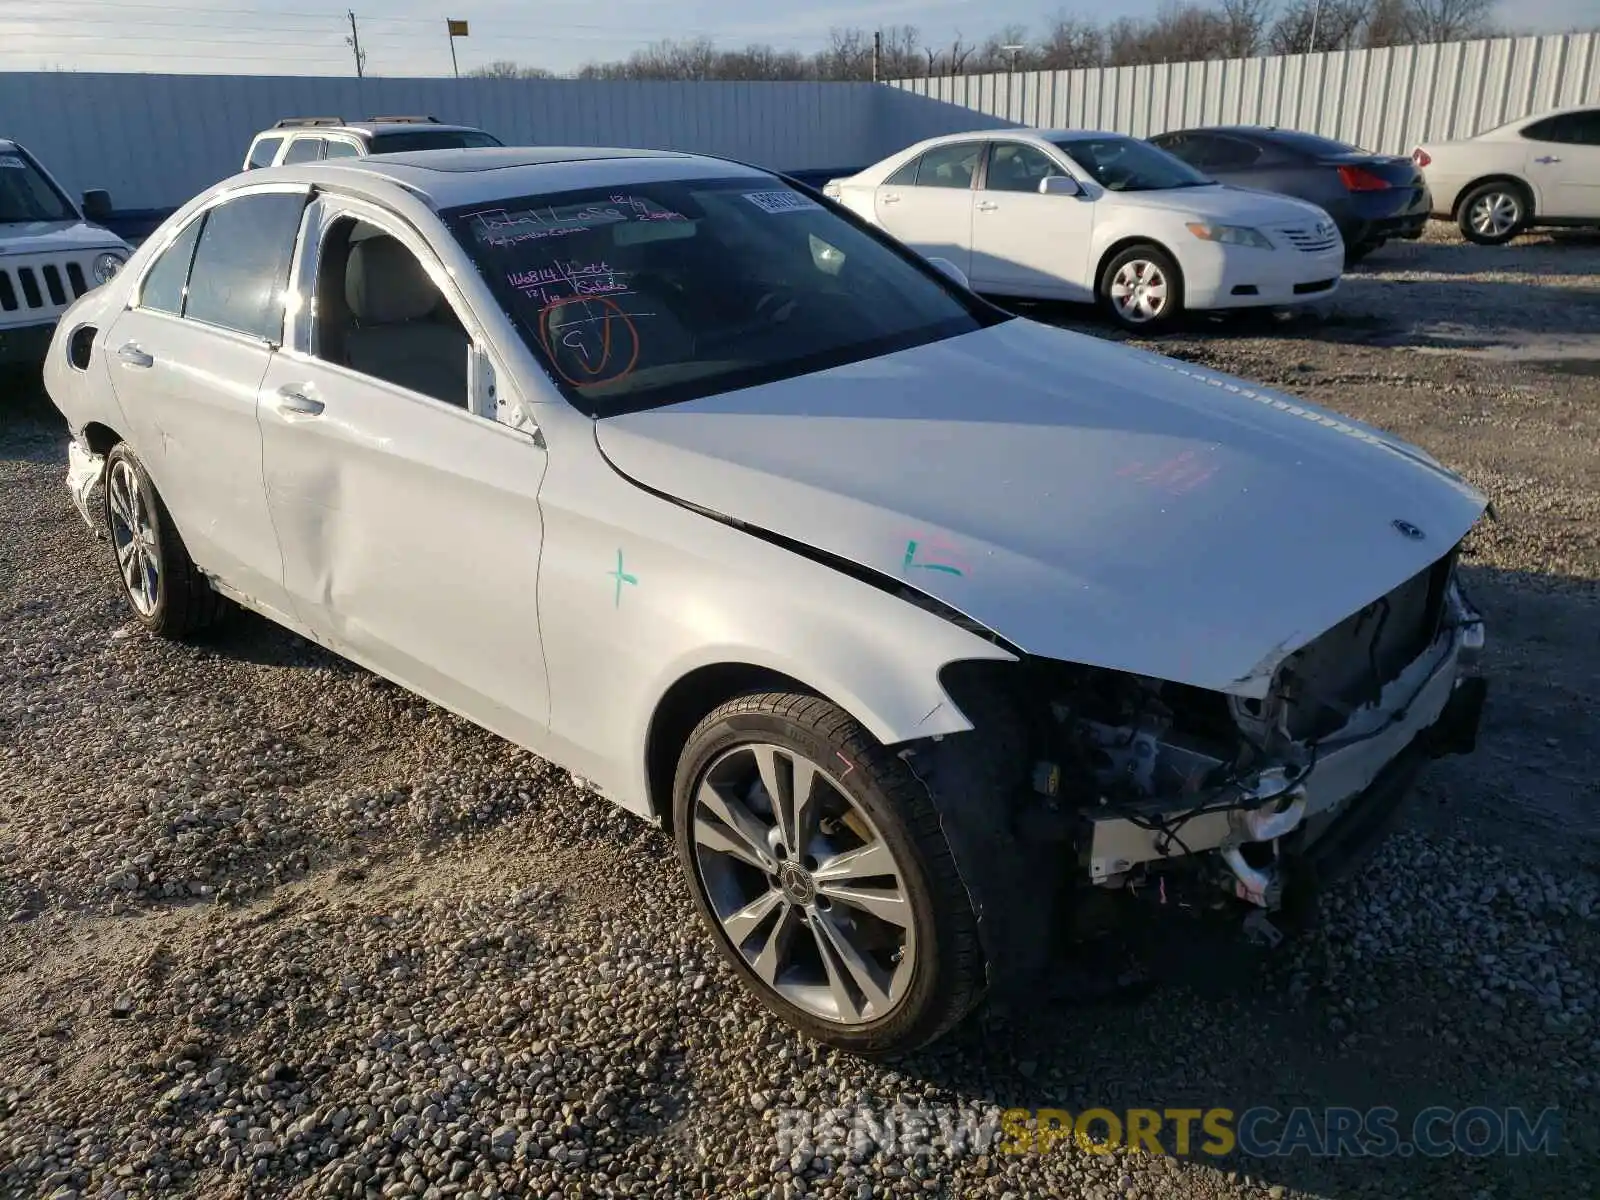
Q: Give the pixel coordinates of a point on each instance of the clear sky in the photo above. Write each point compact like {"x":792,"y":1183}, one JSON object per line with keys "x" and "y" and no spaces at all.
{"x":407,"y":37}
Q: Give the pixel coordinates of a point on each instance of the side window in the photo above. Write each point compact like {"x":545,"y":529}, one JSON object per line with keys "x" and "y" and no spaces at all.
{"x":906,"y":176}
{"x":1588,"y":127}
{"x":950,"y":166}
{"x":341,"y":149}
{"x":379,"y":313}
{"x":304,"y":149}
{"x":1568,"y":129}
{"x":167,"y":279}
{"x":263,"y":152}
{"x":1014,"y":167}
{"x":241,"y":266}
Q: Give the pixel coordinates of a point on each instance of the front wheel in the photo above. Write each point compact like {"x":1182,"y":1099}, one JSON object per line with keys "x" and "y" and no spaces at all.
{"x":165,"y":590}
{"x":817,"y":860}
{"x":1142,"y":289}
{"x":1493,"y":214}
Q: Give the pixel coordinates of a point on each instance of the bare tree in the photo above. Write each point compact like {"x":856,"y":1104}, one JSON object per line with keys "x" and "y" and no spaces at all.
{"x":1450,"y":20}
{"x":506,"y":69}
{"x":1244,"y":26}
{"x":1388,"y":23}
{"x":959,"y":54}
{"x":1336,"y":25}
{"x":1070,"y":44}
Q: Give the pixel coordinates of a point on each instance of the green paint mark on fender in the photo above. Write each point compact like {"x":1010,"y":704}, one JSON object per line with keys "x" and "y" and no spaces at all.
{"x":621,"y":577}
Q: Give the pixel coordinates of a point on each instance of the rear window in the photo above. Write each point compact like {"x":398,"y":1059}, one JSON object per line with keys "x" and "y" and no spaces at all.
{"x":406,"y":141}
{"x":656,"y":293}
{"x":1313,"y":145}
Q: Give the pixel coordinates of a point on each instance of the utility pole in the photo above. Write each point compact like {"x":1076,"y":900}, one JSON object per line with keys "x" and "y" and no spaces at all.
{"x":355,"y":44}
{"x":1316,"y":11}
{"x":877,"y":55}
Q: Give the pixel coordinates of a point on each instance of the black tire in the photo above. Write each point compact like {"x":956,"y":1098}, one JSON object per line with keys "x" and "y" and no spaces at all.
{"x":184,"y":602}
{"x":1155,"y":256}
{"x":1503,"y":196}
{"x":948,"y":971}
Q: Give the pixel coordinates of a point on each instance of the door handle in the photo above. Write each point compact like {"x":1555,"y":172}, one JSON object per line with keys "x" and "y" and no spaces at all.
{"x":293,"y":402}
{"x":1547,"y":159}
{"x":131,"y":355}
{"x":987,"y":206}
{"x":891,"y":199}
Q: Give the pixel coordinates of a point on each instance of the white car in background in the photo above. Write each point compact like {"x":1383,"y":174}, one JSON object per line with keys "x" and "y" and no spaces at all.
{"x":1076,"y":215}
{"x":1538,"y":170}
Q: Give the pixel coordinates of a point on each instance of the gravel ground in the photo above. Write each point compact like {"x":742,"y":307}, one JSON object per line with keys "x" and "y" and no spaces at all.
{"x":270,"y":926}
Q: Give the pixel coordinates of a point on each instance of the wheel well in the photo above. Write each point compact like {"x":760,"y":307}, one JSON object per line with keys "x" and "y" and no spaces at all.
{"x":100,"y":437}
{"x":1126,"y":243}
{"x":681,"y":709}
{"x":1520,"y":185}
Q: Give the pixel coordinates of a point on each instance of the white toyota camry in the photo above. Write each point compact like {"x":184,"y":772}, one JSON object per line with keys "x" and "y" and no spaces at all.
{"x":1085,"y":216}
{"x":914,"y":623}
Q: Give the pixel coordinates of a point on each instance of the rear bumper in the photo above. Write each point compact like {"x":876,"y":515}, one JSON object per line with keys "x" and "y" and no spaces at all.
{"x":26,"y":344}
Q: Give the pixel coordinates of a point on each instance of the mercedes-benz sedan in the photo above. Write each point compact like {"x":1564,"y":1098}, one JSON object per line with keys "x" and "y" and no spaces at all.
{"x":908,"y":619}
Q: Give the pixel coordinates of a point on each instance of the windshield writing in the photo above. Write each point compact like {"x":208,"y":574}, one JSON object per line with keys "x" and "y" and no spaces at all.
{"x":663,"y":292}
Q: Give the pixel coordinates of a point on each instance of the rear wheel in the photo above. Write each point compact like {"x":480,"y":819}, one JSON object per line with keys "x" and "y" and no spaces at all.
{"x":1142,"y":289}
{"x":164,"y":589}
{"x":817,"y":859}
{"x":1494,"y":213}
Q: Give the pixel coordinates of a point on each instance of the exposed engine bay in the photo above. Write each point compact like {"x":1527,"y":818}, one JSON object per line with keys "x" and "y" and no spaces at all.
{"x":1204,"y":798}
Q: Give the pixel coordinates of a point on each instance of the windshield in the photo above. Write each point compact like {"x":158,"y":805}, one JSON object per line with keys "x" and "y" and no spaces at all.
{"x":1125,"y":164}
{"x":656,"y":293}
{"x":26,"y":195}
{"x":431,"y":139}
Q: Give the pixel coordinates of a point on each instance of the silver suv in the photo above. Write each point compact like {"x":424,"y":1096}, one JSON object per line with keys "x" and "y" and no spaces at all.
{"x":310,"y":139}
{"x":51,"y":252}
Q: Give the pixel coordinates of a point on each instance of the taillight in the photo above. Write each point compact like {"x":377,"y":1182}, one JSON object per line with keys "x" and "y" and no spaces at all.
{"x":1421,"y":157}
{"x":1359,"y":179}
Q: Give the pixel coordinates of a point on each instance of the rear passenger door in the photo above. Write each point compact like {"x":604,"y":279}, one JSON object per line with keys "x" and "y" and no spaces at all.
{"x":1564,"y":163}
{"x":186,"y":360}
{"x":927,"y":204}
{"x":407,"y":514}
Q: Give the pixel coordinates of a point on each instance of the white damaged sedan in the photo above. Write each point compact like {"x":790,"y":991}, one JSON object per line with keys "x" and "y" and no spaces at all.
{"x":1073,"y":214}
{"x":915,"y":624}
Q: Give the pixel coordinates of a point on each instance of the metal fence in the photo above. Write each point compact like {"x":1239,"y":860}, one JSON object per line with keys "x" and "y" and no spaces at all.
{"x":1385,"y":100}
{"x":155,"y":140}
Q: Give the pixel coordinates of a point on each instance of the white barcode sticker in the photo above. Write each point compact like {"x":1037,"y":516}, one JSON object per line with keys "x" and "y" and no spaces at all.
{"x":781,"y":202}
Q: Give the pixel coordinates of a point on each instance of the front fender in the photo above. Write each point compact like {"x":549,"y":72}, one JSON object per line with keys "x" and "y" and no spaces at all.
{"x":637,"y":591}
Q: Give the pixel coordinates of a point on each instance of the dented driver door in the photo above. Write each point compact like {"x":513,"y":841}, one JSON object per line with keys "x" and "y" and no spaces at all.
{"x":409,"y":523}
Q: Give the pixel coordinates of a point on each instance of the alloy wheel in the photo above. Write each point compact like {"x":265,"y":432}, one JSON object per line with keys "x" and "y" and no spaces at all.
{"x":803,"y":884}
{"x":133,"y":535}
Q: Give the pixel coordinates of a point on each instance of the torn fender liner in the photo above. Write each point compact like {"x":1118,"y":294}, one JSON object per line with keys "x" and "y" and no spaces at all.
{"x":85,"y":473}
{"x":1014,"y":884}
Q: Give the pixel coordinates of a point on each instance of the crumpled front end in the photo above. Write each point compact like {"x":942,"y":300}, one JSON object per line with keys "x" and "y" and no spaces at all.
{"x":1199,"y":799}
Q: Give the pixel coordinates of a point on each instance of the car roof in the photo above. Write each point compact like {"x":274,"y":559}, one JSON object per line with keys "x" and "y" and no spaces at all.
{"x":7,"y":144}
{"x":448,"y":178}
{"x":366,"y":127}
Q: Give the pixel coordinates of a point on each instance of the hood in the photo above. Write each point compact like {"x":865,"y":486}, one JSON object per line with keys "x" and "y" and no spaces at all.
{"x":1086,"y":501}
{"x":1229,"y":205}
{"x":49,"y":237}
